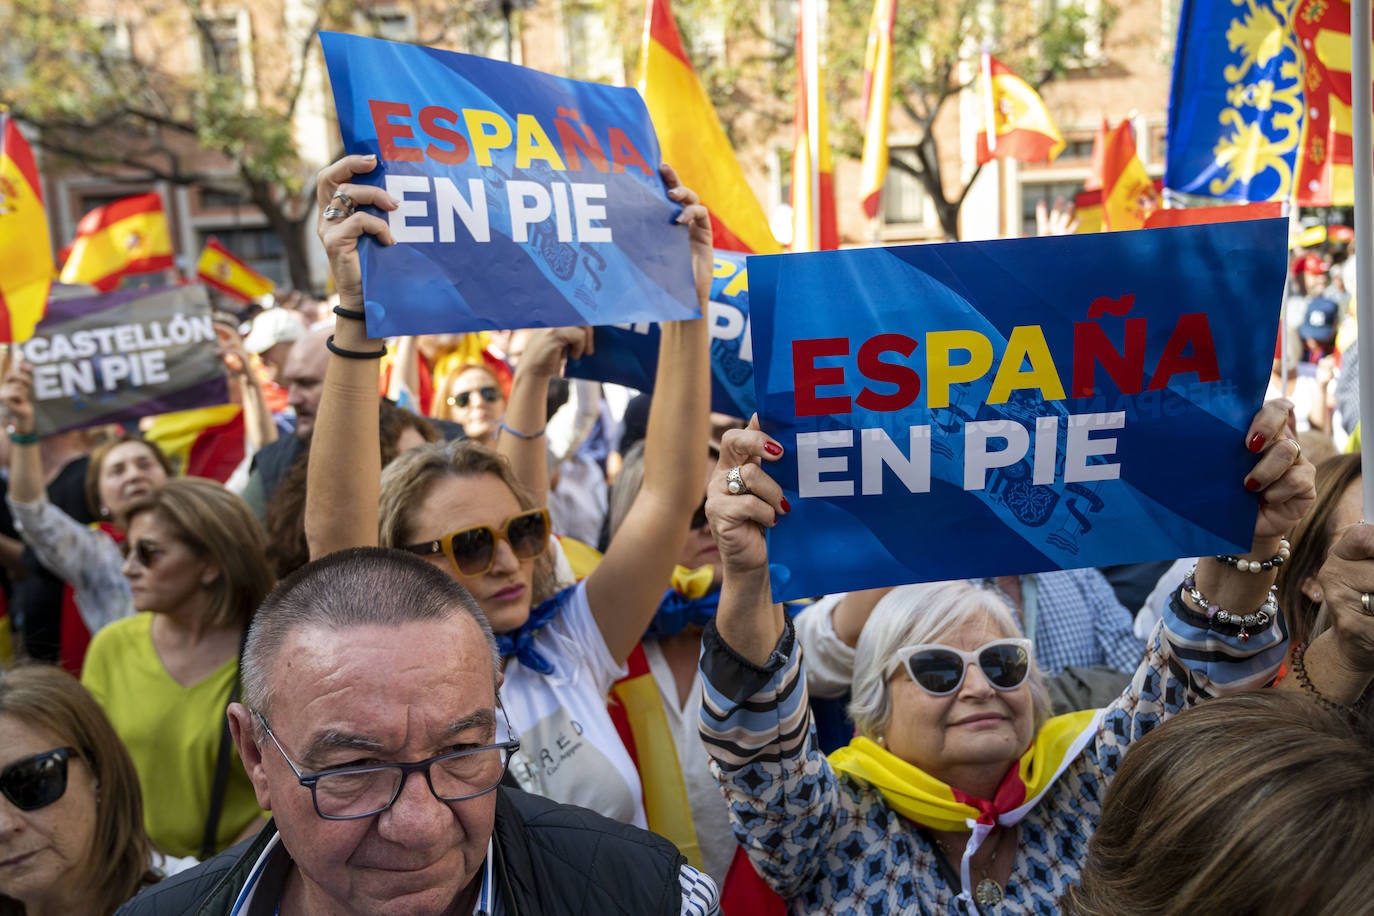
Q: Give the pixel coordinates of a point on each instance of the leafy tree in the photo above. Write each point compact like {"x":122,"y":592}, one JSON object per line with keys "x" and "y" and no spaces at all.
{"x":936,"y":45}
{"x":168,"y":92}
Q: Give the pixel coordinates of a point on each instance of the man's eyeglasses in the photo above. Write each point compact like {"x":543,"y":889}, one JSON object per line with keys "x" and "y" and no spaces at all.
{"x":489,"y":393}
{"x":939,"y":670}
{"x":144,"y":554}
{"x":350,"y":793}
{"x":472,"y":551}
{"x":38,"y":781}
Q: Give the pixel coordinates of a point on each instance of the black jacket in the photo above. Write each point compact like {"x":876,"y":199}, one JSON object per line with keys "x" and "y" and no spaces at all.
{"x":550,"y":860}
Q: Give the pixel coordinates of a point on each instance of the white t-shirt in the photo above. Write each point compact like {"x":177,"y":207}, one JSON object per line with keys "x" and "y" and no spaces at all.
{"x":570,"y":750}
{"x":710,"y":815}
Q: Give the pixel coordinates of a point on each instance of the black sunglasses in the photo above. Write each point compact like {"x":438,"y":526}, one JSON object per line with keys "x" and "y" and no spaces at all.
{"x":489,"y":393}
{"x":699,"y":517}
{"x":472,"y":551}
{"x":144,"y":554}
{"x":38,"y":781}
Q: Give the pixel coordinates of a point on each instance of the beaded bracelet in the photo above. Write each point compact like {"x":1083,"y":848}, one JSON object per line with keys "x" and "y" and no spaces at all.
{"x":1259,"y":620}
{"x":1254,"y":566}
{"x":354,"y":354}
{"x":519,"y":435}
{"x":1300,"y":672}
{"x":354,"y":314}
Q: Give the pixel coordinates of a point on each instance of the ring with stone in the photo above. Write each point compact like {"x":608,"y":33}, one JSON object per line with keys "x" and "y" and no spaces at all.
{"x":734,"y":482}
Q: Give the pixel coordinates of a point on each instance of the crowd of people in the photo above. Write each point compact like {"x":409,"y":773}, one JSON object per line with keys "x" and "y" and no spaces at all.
{"x":454,"y":634}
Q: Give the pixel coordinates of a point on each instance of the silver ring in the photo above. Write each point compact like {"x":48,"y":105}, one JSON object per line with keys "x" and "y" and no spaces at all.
{"x":1367,"y":602}
{"x":332,"y":213}
{"x":1297,"y":445}
{"x":734,"y":482}
{"x":343,"y":198}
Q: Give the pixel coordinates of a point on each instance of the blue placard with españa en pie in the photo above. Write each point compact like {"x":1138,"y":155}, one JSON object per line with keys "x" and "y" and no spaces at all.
{"x":526,"y":200}
{"x":996,"y":408}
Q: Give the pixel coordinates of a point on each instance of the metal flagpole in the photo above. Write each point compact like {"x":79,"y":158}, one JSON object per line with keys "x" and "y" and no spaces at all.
{"x":1363,"y":107}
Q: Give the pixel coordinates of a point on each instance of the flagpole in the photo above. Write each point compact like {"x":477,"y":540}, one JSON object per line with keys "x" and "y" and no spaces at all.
{"x":811,"y":12}
{"x":1362,"y":99}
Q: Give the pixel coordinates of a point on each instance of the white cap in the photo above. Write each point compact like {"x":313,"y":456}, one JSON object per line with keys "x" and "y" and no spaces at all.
{"x":271,"y":327}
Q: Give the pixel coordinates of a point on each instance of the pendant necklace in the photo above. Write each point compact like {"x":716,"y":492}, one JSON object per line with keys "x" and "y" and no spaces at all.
{"x":987,"y":892}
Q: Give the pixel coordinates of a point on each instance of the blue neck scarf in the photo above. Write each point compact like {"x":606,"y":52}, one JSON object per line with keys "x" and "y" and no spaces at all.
{"x":676,"y":612}
{"x":519,"y":642}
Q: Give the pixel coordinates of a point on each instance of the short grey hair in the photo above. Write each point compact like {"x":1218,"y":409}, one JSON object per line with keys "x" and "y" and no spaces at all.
{"x":362,"y":586}
{"x":916,"y":614}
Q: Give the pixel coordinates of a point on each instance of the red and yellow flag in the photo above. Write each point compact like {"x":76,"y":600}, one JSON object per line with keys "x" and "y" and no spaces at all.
{"x":1129,"y":194}
{"x":1094,"y":179}
{"x":692,"y":139}
{"x":129,"y":236}
{"x":26,"y":268}
{"x":1326,"y":174}
{"x":1016,"y":124}
{"x":877,"y":101}
{"x":219,"y":269}
{"x":813,"y":191}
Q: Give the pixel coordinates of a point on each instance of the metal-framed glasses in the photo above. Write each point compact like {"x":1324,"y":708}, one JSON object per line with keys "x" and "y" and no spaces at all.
{"x":489,"y":393}
{"x":472,"y":551}
{"x":939,"y":670}
{"x":38,"y":781}
{"x":351,"y":793}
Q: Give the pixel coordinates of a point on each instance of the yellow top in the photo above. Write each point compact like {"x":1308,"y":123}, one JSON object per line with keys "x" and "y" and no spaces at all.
{"x":173,"y":734}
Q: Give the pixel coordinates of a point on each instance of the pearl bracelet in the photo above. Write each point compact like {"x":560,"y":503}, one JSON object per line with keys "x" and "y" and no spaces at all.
{"x":1254,"y":566}
{"x":1259,"y":620}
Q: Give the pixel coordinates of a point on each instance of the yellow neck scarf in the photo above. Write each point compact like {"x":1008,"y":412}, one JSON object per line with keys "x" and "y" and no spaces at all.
{"x":922,"y":798}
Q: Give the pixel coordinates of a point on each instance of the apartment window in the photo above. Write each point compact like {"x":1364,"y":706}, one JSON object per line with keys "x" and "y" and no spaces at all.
{"x":393,"y":23}
{"x":1050,"y":192}
{"x":904,"y":198}
{"x":226,"y":47}
{"x":112,"y":40}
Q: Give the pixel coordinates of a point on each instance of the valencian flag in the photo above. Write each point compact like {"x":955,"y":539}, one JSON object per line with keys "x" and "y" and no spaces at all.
{"x":813,"y":189}
{"x":877,"y":101}
{"x":1129,"y":195}
{"x":129,"y":236}
{"x":219,"y":269}
{"x":692,"y":139}
{"x":1016,"y":124}
{"x":26,"y":267}
{"x":1260,"y":107}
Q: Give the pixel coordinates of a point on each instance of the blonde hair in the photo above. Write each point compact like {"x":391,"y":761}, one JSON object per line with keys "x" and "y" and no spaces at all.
{"x":120,"y":860}
{"x":407,"y":481}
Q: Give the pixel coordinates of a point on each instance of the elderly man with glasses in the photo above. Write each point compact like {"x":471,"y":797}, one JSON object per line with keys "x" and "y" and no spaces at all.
{"x":372,"y":730}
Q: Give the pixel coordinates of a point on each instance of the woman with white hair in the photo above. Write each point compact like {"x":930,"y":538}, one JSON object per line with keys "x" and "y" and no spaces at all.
{"x":959,"y":794}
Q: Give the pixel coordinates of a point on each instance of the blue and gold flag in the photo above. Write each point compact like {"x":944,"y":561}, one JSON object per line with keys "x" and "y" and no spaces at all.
{"x":1236,"y":104}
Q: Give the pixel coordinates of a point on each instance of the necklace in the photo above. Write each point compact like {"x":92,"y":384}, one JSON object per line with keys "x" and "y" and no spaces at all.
{"x":987,"y":892}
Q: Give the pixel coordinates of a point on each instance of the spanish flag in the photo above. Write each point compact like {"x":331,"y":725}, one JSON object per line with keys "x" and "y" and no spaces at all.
{"x":877,"y":100}
{"x":813,"y":190}
{"x":129,"y":236}
{"x":26,"y":268}
{"x":1129,"y":194}
{"x":219,"y":269}
{"x":1326,"y":170}
{"x":1016,"y":124}
{"x":692,"y":139}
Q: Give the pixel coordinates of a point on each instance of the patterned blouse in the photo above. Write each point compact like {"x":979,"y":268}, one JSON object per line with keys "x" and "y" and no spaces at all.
{"x":831,"y":845}
{"x":85,"y":557}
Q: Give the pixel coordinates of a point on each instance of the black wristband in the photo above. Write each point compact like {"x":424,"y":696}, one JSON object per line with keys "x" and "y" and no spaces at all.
{"x":355,"y":314}
{"x":353,"y":354}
